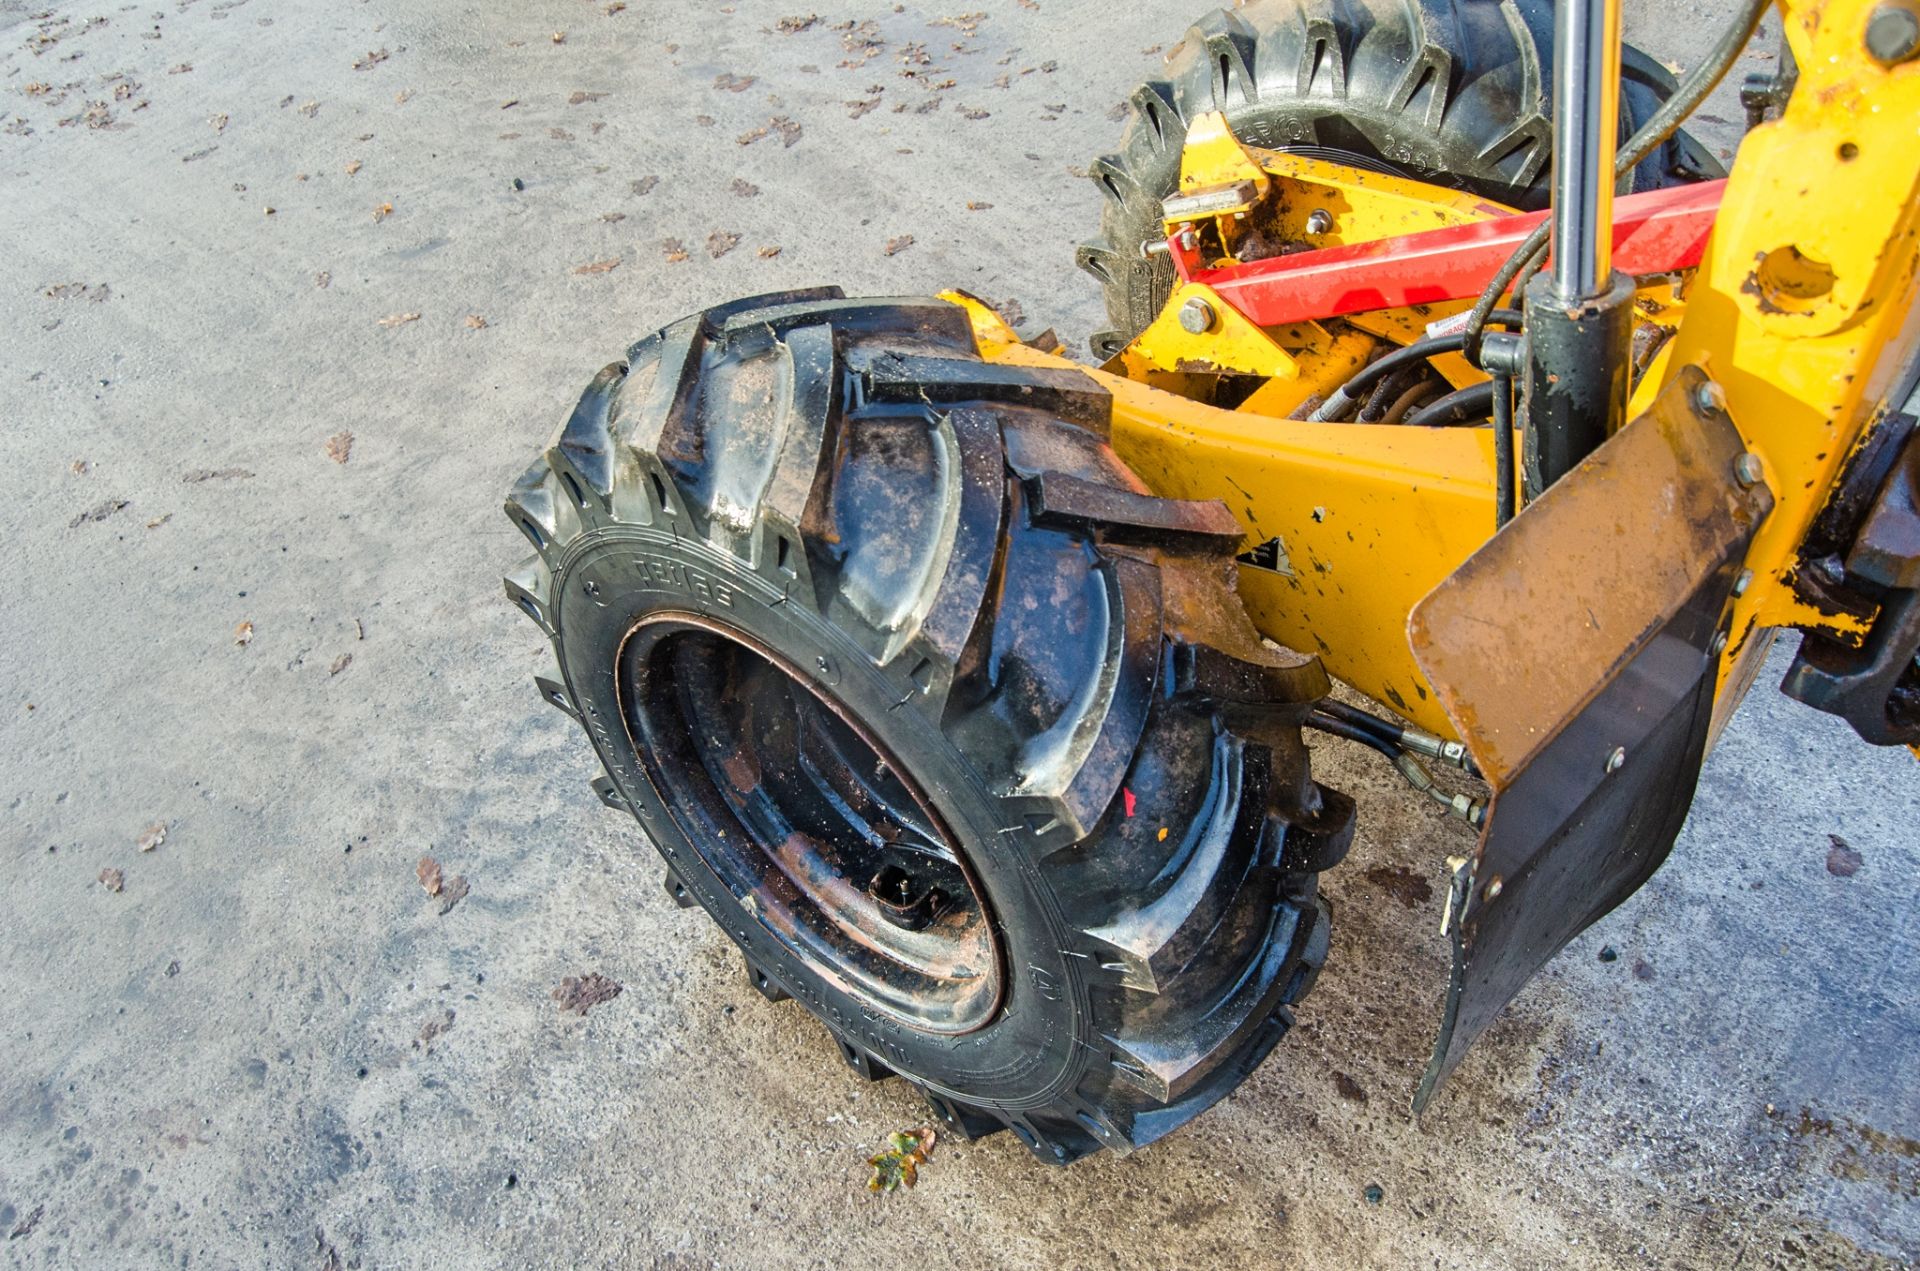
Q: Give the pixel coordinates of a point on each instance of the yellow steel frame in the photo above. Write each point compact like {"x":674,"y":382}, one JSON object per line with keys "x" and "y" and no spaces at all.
{"x":1803,"y":312}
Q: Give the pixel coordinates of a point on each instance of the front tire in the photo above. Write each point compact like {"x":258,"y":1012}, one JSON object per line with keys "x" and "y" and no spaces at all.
{"x":958,"y":732}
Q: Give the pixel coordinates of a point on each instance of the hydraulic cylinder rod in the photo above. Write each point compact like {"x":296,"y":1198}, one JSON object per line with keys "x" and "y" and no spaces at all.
{"x":1580,"y":313}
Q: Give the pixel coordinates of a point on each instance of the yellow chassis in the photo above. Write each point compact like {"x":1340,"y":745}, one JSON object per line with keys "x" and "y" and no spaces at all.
{"x":1802,"y":312}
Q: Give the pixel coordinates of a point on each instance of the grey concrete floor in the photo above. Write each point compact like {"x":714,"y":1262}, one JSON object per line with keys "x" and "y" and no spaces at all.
{"x":220,"y":1064}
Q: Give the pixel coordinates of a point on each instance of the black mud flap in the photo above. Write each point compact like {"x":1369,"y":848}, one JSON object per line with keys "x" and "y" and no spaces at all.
{"x":1577,"y":655}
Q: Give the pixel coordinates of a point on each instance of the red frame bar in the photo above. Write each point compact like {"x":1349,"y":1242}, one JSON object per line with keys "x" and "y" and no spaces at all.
{"x":1653,"y":233}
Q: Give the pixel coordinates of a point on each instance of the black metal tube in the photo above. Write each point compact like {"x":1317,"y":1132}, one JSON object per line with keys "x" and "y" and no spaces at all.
{"x":1348,"y":394}
{"x":1503,"y":494}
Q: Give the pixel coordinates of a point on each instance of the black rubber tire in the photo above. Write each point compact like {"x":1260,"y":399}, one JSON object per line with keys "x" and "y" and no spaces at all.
{"x":1453,"y":92}
{"x":953,"y":554}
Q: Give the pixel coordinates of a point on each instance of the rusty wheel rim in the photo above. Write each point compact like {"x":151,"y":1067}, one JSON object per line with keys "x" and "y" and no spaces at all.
{"x":811,"y":824}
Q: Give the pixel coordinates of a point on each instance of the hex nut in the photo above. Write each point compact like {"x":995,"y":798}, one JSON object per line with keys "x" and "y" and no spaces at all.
{"x":1196,"y":316}
{"x":1617,"y":760}
{"x":1748,"y":469}
{"x":1710,"y":398}
{"x":1319,"y":221}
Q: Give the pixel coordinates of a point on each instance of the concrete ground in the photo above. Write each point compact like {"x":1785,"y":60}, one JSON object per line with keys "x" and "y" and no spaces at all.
{"x":271,"y":1049}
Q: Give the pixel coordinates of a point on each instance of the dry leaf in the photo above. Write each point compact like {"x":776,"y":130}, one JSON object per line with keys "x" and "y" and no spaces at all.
{"x":897,"y":245}
{"x":973,"y":206}
{"x":309,"y":109}
{"x":675,"y":250}
{"x":158,"y":521}
{"x":733,"y":83}
{"x":98,"y":512}
{"x":475,"y":322}
{"x":794,"y":26}
{"x":560,"y":134}
{"x":559,"y":37}
{"x":382,"y":212}
{"x":340,"y":664}
{"x":1842,"y":860}
{"x":400,"y":98}
{"x":151,"y":837}
{"x":613,"y":218}
{"x":769,"y":252}
{"x":370,"y":61}
{"x":219,"y":123}
{"x":644,"y":185}
{"x":720,"y":242}
{"x":899,"y":1162}
{"x":353,"y":167}
{"x":598,"y":266}
{"x":399,"y":319}
{"x":428,"y":872}
{"x":579,"y":994}
{"x":452,"y":893}
{"x":616,"y":7}
{"x":581,"y":97}
{"x":243,"y":634}
{"x":745,"y":189}
{"x":323,"y":280}
{"x":80,"y":467}
{"x":433,"y":1028}
{"x":113,"y":880}
{"x":340,"y":445}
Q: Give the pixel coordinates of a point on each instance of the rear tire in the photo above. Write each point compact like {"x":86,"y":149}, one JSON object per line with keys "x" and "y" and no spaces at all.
{"x":828,"y":592}
{"x":1452,"y":92}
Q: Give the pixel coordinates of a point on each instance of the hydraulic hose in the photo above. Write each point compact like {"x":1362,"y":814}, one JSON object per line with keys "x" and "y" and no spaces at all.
{"x":1349,"y":394}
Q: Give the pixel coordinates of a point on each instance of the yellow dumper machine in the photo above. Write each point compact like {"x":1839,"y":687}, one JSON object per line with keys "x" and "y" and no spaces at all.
{"x":963,"y":683}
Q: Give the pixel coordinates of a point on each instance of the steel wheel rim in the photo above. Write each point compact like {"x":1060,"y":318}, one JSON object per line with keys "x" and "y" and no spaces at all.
{"x":809,"y":822}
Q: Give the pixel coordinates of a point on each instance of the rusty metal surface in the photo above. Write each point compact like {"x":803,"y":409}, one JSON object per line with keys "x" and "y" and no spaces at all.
{"x":1576,"y":654}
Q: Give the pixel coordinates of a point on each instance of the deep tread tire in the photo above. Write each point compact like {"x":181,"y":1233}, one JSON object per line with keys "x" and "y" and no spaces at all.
{"x":1059,"y":657}
{"x":1454,"y":92}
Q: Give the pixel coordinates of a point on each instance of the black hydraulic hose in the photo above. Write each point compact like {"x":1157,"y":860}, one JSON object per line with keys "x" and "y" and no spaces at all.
{"x":1503,"y":494}
{"x":1659,"y":126}
{"x":1424,"y":391}
{"x":1341,"y":728}
{"x":1465,"y":405}
{"x":1348,"y":394}
{"x":1385,"y":729}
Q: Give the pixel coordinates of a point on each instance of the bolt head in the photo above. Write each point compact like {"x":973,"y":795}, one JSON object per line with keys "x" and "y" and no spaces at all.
{"x":1319,"y":221}
{"x":1744,"y":581}
{"x":1893,"y":34}
{"x":1617,"y":760}
{"x":1495,"y":887}
{"x":1710,"y":398}
{"x":1196,"y":316}
{"x":1719,"y":643}
{"x":1748,"y":469}
{"x":1832,"y":568}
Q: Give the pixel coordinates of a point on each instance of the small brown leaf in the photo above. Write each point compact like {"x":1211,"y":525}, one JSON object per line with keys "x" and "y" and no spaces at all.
{"x":113,"y":880}
{"x":644,"y":185}
{"x":1842,"y":860}
{"x":309,"y":109}
{"x":353,"y":166}
{"x":158,"y":521}
{"x":80,"y":467}
{"x":720,"y":242}
{"x":400,"y":98}
{"x":579,"y":994}
{"x":340,"y":445}
{"x":974,"y":206}
{"x":340,"y":664}
{"x":243,"y":634}
{"x":559,"y":37}
{"x":675,"y":250}
{"x":744,"y":189}
{"x":323,"y":280}
{"x":383,"y":211}
{"x":475,"y":322}
{"x":453,"y":893}
{"x":370,"y":61}
{"x":733,"y":83}
{"x":399,"y":319}
{"x":770,"y":251}
{"x":428,"y":872}
{"x":580,"y":98}
{"x":151,"y":837}
{"x":897,"y":245}
{"x":598,"y":266}
{"x":436,"y":1027}
{"x":617,"y":6}
{"x":219,"y":123}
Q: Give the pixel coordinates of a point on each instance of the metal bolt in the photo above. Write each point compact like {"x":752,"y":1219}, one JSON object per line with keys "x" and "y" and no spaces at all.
{"x":1709,"y":398}
{"x":1495,"y":887}
{"x":1188,"y":239}
{"x":1748,"y":469}
{"x":1719,"y":643}
{"x":1893,"y":34}
{"x":1196,"y":316}
{"x":1744,"y":581}
{"x":1155,"y":247}
{"x":1319,"y":221}
{"x":1832,"y":569}
{"x":1617,"y":760}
